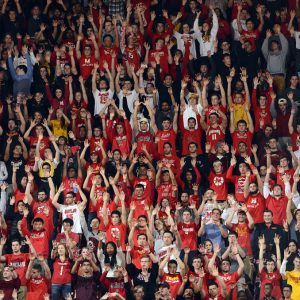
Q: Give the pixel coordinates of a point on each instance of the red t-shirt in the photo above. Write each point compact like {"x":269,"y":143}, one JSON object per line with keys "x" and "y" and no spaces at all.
{"x":251,"y":36}
{"x":244,"y":235}
{"x":273,"y":278}
{"x":69,"y":186}
{"x":295,"y":136}
{"x":174,"y":280}
{"x":215,"y":135}
{"x":38,"y":286}
{"x":61,"y":272}
{"x":245,"y":137}
{"x":166,"y":136}
{"x":230,"y":278}
{"x":86,"y":65}
{"x":256,"y":205}
{"x":218,"y":183}
{"x":278,"y":207}
{"x":19,"y":262}
{"x":172,"y":160}
{"x":132,"y":56}
{"x":44,"y":144}
{"x":106,"y":55}
{"x":112,"y":229}
{"x":188,"y":234}
{"x":163,"y":53}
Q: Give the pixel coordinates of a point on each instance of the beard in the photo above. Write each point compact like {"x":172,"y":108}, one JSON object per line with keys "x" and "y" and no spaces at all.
{"x":253,"y":193}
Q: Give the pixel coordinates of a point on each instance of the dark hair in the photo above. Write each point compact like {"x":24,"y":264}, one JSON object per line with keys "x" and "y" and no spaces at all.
{"x":268,"y":211}
{"x":111,"y":260}
{"x":116,"y":212}
{"x":287,"y":286}
{"x":68,"y":221}
{"x":38,"y":220}
{"x":37,"y":267}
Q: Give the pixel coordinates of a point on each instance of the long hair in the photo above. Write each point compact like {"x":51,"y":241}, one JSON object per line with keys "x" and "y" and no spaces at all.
{"x":111,"y":260}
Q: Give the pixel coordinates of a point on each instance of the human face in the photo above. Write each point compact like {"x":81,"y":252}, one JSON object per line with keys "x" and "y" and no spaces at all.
{"x":208,"y":246}
{"x":192,"y":148}
{"x":41,"y":196}
{"x":142,"y":241}
{"x":297,"y":263}
{"x":270,"y":265}
{"x":286,"y":292}
{"x":110,"y":249}
{"x":268,"y":218}
{"x":139,"y":192}
{"x":38,"y":226}
{"x":213,"y":290}
{"x":168,"y":80}
{"x":120,"y":129}
{"x":115,"y":219}
{"x":253,"y":188}
{"x":191,"y":124}
{"x":145,"y":263}
{"x":243,"y":168}
{"x":15,"y":247}
{"x":184,"y":198}
{"x":249,"y":25}
{"x":142,"y":222}
{"x":216,"y":215}
{"x":95,"y":224}
{"x":172,"y":268}
{"x":67,"y":227}
{"x":7,"y":273}
{"x":241,"y":127}
{"x":86,"y":268}
{"x":167,"y":149}
{"x":61,"y":250}
{"x":294,"y":81}
{"x":167,"y":239}
{"x":197,"y":264}
{"x":284,"y":162}
{"x":35,"y":274}
{"x":225,"y":266}
{"x":186,"y":217}
{"x":273,"y":143}
{"x":144,"y":125}
{"x":292,"y":247}
{"x":69,"y":199}
{"x":277,"y":191}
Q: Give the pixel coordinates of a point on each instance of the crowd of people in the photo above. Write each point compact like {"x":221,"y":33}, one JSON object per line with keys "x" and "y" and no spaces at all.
{"x":150,"y":149}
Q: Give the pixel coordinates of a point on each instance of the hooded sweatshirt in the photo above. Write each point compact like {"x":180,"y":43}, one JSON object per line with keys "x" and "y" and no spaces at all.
{"x":276,"y":60}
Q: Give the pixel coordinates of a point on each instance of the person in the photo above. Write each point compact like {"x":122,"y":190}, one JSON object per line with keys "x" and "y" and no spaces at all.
{"x":9,"y":283}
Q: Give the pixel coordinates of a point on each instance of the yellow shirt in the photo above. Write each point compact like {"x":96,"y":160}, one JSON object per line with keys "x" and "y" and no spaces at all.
{"x":239,"y":114}
{"x":58,"y":130}
{"x":293,"y":278}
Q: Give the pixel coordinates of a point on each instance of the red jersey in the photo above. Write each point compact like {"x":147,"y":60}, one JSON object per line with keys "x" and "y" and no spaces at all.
{"x":144,"y":138}
{"x":69,"y":184}
{"x":166,"y":136}
{"x":295,"y":136}
{"x":230,"y":278}
{"x":172,"y":160}
{"x":95,"y":145}
{"x":244,"y":235}
{"x":61,"y":272}
{"x":86,"y":65}
{"x":112,"y":229}
{"x":274,"y":278}
{"x":164,"y":190}
{"x":218,"y":183}
{"x":99,"y":206}
{"x":44,"y":144}
{"x":215,"y":135}
{"x":163,"y":53}
{"x":251,"y":36}
{"x":19,"y":262}
{"x":188,"y":234}
{"x":106,"y":55}
{"x":140,"y":206}
{"x":174,"y":280}
{"x":256,"y":205}
{"x":39,"y":239}
{"x":289,"y":173}
{"x":133,"y":57}
{"x":38,"y":286}
{"x":245,"y":137}
{"x":278,"y":207}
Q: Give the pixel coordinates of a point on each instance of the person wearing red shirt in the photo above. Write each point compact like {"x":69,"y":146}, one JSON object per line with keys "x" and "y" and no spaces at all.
{"x":18,"y":261}
{"x":37,"y":284}
{"x":218,"y":182}
{"x":243,"y":228}
{"x":268,"y":270}
{"x":61,"y":277}
{"x":276,"y":201}
{"x":188,"y":230}
{"x":169,"y":158}
{"x":87,"y":59}
{"x":283,"y":171}
{"x":239,"y":180}
{"x":160,"y":55}
{"x":295,"y":134}
{"x":228,"y":277}
{"x":116,"y":227}
{"x":120,"y":134}
{"x":192,"y":134}
{"x":254,"y":200}
{"x":160,"y":28}
{"x":39,"y":236}
{"x":250,"y":34}
{"x":215,"y":132}
{"x":173,"y":278}
{"x":165,"y":182}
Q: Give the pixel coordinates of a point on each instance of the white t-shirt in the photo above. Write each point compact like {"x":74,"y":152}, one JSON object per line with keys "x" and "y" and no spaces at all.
{"x":100,"y":99}
{"x":131,"y":97}
{"x":71,"y":212}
